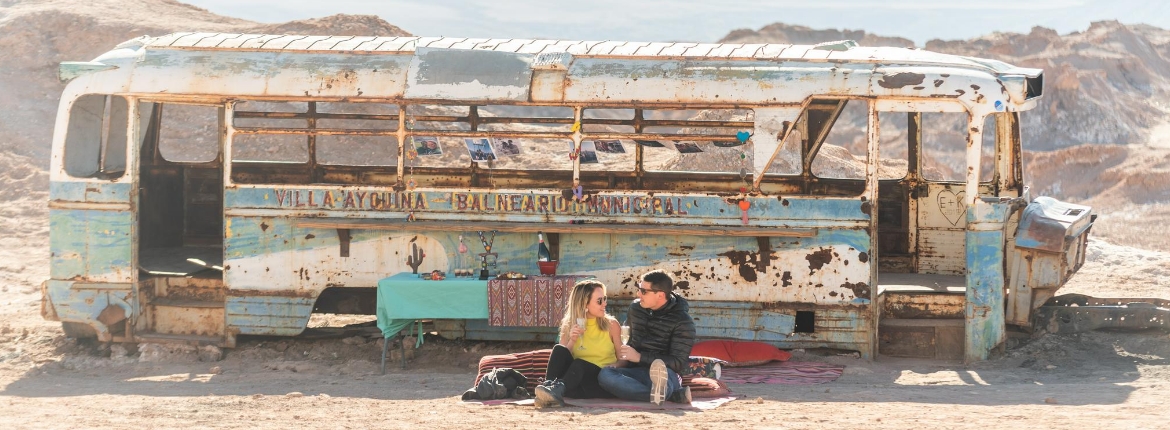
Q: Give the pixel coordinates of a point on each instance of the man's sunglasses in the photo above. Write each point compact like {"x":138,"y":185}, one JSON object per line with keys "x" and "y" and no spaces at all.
{"x":644,"y":291}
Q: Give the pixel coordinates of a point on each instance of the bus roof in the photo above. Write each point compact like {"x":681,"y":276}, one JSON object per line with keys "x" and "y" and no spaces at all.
{"x":841,"y":51}
{"x":550,"y":71}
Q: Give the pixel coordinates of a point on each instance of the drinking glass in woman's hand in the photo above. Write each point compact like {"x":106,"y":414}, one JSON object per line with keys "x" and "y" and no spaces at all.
{"x":581,"y":326}
{"x":625,"y":334}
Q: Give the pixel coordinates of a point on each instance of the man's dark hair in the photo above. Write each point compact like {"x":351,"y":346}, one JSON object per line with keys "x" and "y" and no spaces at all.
{"x":659,"y":280}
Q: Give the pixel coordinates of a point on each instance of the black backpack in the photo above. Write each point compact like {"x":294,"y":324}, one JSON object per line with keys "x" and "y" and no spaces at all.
{"x":500,"y":383}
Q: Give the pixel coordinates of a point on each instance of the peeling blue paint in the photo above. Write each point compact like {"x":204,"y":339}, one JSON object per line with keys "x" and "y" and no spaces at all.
{"x":269,"y":315}
{"x":89,"y":192}
{"x":984,"y":309}
{"x":89,"y":243}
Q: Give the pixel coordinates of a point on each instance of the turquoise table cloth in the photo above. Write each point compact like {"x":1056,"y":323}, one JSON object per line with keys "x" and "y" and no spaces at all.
{"x":405,"y":298}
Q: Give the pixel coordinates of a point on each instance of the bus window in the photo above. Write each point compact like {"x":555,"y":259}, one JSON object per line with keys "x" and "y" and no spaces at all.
{"x":421,"y":118}
{"x":495,"y":118}
{"x":279,"y":148}
{"x":271,"y":114}
{"x":893,"y":145}
{"x":344,"y":150}
{"x":944,"y":146}
{"x":702,"y":140}
{"x":95,"y":143}
{"x":524,"y":153}
{"x":188,"y":133}
{"x":358,"y":116}
{"x":842,"y":154}
{"x":987,"y":159}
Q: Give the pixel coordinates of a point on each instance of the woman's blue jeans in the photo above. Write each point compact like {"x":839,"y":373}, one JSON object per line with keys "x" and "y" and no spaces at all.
{"x":633,"y":383}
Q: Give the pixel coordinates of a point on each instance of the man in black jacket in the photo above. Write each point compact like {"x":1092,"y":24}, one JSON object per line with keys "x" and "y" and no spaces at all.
{"x":661,"y":336}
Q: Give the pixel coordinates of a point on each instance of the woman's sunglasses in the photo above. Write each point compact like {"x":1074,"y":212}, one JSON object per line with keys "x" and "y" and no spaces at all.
{"x":601,"y":300}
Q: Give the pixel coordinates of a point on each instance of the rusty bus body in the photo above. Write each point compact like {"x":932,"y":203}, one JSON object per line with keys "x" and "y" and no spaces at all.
{"x":201,"y":187}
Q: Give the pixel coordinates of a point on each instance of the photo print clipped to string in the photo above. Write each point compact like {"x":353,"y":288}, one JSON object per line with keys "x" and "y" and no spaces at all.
{"x":427,"y":146}
{"x":588,"y":154}
{"x":480,"y":149}
{"x":609,"y":146}
{"x":506,"y":146}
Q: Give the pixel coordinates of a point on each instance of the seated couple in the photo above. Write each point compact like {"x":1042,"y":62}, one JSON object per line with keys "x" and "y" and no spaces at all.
{"x":590,"y":360}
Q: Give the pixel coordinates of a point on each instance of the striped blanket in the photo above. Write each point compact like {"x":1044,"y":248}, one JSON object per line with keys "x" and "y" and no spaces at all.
{"x":783,"y":372}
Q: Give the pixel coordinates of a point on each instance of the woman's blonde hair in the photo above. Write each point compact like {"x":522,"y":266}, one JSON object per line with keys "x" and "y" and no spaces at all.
{"x":578,"y":301}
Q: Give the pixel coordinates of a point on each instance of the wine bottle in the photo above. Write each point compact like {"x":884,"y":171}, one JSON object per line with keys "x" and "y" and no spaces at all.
{"x":542,"y":253}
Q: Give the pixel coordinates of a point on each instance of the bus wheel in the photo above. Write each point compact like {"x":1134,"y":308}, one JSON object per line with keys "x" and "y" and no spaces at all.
{"x":78,"y":330}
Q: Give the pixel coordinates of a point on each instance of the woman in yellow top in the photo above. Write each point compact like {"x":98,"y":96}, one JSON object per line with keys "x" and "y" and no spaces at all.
{"x":583,"y":350}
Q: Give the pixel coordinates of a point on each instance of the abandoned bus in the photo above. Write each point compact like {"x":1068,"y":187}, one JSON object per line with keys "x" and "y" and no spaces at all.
{"x":206,"y":186}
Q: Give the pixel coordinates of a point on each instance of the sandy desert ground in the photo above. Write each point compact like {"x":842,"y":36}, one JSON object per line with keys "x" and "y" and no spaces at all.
{"x":1098,"y":379}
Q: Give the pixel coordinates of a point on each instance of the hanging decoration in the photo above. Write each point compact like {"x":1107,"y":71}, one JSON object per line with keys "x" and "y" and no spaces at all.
{"x":744,"y":205}
{"x":742,"y":137}
{"x":411,"y":155}
{"x":483,"y":256}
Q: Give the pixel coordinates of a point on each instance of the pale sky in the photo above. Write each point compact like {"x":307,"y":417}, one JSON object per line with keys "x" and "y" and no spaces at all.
{"x":704,"y":21}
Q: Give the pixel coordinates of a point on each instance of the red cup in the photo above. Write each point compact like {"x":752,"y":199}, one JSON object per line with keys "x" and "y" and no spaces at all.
{"x":547,"y":267}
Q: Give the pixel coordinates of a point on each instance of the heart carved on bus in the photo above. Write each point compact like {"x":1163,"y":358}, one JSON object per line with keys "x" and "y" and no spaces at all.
{"x":951,"y":205}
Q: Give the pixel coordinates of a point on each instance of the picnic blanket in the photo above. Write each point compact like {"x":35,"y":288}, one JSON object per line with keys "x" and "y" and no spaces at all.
{"x":785,"y":372}
{"x":696,"y":405}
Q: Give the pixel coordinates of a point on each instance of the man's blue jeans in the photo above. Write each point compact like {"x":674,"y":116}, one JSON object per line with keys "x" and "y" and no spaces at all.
{"x":633,"y":383}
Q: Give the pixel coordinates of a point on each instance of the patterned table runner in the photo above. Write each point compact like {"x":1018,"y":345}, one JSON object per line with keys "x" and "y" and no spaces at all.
{"x":538,"y":301}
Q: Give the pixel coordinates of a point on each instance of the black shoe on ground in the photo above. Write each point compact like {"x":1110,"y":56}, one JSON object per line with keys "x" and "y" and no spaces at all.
{"x":683,"y":395}
{"x":550,"y":394}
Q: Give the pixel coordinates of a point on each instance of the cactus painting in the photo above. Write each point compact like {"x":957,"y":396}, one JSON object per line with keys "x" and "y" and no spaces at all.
{"x":416,"y":257}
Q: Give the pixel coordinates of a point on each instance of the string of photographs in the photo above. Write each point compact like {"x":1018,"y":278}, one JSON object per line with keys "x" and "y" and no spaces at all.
{"x":489,"y":149}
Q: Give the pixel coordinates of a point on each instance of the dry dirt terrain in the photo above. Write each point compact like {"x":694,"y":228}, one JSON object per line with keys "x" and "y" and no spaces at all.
{"x":1098,"y":379}
{"x":1102,"y":121}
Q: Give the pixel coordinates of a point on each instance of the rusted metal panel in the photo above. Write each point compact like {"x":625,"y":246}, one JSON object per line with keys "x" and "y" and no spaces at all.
{"x":458,"y":74}
{"x":838,"y":76}
{"x":85,"y":306}
{"x":941,"y":251}
{"x":267,"y":314}
{"x":984,"y":312}
{"x":90,"y":228}
{"x":1075,"y":313}
{"x":175,"y":318}
{"x":940,"y":339}
{"x":942,"y":221}
{"x":238,"y":72}
{"x":836,"y":327}
{"x":1049,"y":224}
{"x":922,"y":305}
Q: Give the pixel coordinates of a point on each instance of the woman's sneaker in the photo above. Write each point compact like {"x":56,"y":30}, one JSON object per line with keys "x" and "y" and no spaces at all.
{"x":550,"y":394}
{"x":658,"y":377}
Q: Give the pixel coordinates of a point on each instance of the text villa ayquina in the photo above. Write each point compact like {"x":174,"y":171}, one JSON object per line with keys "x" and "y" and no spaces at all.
{"x":481,"y":202}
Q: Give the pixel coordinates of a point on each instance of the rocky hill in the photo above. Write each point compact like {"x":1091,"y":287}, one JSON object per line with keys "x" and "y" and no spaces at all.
{"x":36,"y":36}
{"x":801,"y":35}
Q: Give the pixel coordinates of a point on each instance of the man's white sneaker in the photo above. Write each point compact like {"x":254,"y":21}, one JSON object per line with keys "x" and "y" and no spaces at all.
{"x":658,"y":376}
